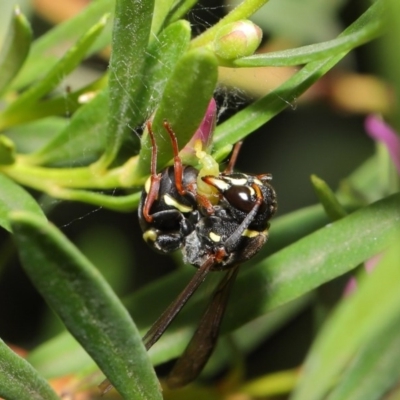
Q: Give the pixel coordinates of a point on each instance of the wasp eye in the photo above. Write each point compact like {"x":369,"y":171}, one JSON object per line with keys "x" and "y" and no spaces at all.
{"x":240,"y":197}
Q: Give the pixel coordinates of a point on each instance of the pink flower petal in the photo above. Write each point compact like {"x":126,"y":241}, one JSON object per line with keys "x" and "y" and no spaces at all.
{"x":378,"y":130}
{"x":205,"y":131}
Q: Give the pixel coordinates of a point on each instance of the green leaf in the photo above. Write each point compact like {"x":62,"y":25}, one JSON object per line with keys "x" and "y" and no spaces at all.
{"x":262,"y":110}
{"x":315,"y":52}
{"x":367,"y":315}
{"x":374,"y":370}
{"x":183,"y":104}
{"x":328,"y":199}
{"x":87,"y":306}
{"x":14,"y":198}
{"x":45,"y":51}
{"x":252,"y":334}
{"x":16,"y":48}
{"x":60,"y":356}
{"x":7,"y":150}
{"x":161,"y":10}
{"x":62,"y":68}
{"x":179,"y":10}
{"x":162,"y":57}
{"x":386,"y":54}
{"x":34,"y":135}
{"x":86,"y":130}
{"x":130,"y":40}
{"x":19,"y":380}
{"x":62,"y":105}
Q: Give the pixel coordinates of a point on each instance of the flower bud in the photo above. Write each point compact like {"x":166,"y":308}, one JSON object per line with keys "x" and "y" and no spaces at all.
{"x":237,"y":39}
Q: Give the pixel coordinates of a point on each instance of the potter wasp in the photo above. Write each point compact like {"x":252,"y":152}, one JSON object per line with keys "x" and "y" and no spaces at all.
{"x":217,"y":220}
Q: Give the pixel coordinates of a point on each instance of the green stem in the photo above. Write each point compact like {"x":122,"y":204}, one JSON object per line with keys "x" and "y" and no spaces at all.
{"x":49,"y":180}
{"x":118,"y":203}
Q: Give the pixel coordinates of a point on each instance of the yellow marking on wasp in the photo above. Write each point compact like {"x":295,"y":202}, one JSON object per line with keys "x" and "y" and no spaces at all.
{"x":214,"y":237}
{"x":258,"y":182}
{"x":170,"y":201}
{"x":236,"y":181}
{"x":251,"y":234}
{"x":219,"y":184}
{"x":147,"y":185}
{"x":150,"y":235}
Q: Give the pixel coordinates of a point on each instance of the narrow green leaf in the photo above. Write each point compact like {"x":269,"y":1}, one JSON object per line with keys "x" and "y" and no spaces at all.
{"x":85,"y":130}
{"x":374,"y":370}
{"x":14,"y":198}
{"x":262,"y":110}
{"x":161,"y":10}
{"x":251,"y":335}
{"x":7,"y":150}
{"x":19,"y":380}
{"x":16,"y":48}
{"x":371,"y":310}
{"x":331,"y":204}
{"x":63,"y":105}
{"x":60,"y":356}
{"x":45,"y":51}
{"x":319,"y":51}
{"x":369,"y":181}
{"x":131,"y":35}
{"x":183,"y":104}
{"x":162,"y":57}
{"x":62,"y":68}
{"x":87,"y":306}
{"x":30,"y":137}
{"x":180,"y":9}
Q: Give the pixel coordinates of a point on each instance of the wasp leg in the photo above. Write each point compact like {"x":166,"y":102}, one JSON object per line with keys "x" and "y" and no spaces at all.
{"x":154,"y":178}
{"x":178,"y":168}
{"x":202,"y":344}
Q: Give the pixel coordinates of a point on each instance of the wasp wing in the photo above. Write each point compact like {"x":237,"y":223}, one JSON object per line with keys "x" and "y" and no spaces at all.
{"x":163,"y":322}
{"x":202,"y":344}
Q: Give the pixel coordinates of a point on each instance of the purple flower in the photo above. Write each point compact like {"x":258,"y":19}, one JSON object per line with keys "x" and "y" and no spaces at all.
{"x":378,"y":130}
